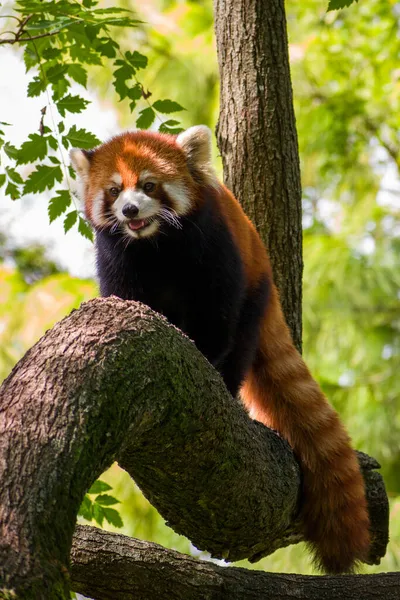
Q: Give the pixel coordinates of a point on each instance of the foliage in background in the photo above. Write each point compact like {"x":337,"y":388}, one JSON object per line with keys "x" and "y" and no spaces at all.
{"x":346,"y":82}
{"x":346,"y":85}
{"x":34,"y":295}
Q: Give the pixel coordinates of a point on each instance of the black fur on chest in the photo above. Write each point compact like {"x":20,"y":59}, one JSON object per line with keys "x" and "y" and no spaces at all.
{"x":177,"y":272}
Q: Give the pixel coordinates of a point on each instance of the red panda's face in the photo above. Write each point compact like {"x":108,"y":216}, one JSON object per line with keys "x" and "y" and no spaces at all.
{"x":137,"y":181}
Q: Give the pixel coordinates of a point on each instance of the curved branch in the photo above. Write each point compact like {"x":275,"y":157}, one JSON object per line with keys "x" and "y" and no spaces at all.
{"x":116,"y":381}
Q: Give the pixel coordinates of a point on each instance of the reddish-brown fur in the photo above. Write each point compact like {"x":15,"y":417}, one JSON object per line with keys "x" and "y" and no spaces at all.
{"x":280,"y":392}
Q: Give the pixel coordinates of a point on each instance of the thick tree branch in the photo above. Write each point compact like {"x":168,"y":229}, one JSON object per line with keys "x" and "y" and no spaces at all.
{"x":108,"y":566}
{"x":115,"y":381}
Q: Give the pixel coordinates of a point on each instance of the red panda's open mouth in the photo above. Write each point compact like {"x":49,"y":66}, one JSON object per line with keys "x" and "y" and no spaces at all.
{"x":137,"y":224}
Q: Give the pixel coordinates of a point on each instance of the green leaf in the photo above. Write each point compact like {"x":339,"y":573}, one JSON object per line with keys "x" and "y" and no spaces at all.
{"x":122,"y":75}
{"x":169,"y":127}
{"x":59,"y":204}
{"x":2,"y":179}
{"x":78,"y":74}
{"x":30,"y":57}
{"x":35,"y":149}
{"x":111,"y":10}
{"x":137,"y":60}
{"x":85,"y":55}
{"x":146,"y":118}
{"x":337,"y":4}
{"x":11,"y":151}
{"x":106,"y":500}
{"x":70,"y":220}
{"x":54,"y":73}
{"x":113,"y":517}
{"x":12,"y":191}
{"x":86,"y":509}
{"x":36,"y":87}
{"x":84,"y":229}
{"x":107,"y":49}
{"x":92,"y":33}
{"x":118,"y":22}
{"x":134,"y":94}
{"x":13,"y":175}
{"x":98,"y":514}
{"x":51,"y":53}
{"x":40,"y":25}
{"x":170,"y":123}
{"x":72,"y":104}
{"x":43,"y":178}
{"x":61,"y":127}
{"x":167,"y":106}
{"x":99,"y":486}
{"x":52,"y":142}
{"x":80,"y":138}
{"x":59,"y":88}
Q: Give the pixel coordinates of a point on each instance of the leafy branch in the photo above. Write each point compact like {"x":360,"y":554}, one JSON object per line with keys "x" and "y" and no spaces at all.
{"x":63,"y":40}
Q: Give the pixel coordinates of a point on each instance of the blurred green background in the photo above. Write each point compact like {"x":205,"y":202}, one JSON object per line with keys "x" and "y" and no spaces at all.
{"x":346,"y":81}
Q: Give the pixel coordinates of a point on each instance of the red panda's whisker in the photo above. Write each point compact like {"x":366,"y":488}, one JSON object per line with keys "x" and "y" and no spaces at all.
{"x":170,"y":216}
{"x":114,"y":228}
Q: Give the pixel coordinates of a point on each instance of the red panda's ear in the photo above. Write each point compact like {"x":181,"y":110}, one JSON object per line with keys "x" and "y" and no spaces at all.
{"x":196,"y":144}
{"x":80,"y":160}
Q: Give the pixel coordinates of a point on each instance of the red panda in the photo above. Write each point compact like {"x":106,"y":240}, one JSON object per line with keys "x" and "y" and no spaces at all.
{"x":169,"y":234}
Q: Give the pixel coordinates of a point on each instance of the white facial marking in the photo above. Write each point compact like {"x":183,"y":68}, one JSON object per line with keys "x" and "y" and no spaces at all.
{"x":145,"y":175}
{"x":179,"y":195}
{"x":145,"y":232}
{"x":97,"y":209}
{"x":116,"y":179}
{"x":147,"y":206}
{"x":81,"y":166}
{"x":79,"y":187}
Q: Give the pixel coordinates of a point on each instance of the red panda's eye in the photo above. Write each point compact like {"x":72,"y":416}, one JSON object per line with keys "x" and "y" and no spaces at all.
{"x":149,"y":186}
{"x":114,"y":191}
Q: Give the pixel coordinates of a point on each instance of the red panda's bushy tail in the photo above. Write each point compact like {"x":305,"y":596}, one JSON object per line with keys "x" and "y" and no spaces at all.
{"x":280,"y":392}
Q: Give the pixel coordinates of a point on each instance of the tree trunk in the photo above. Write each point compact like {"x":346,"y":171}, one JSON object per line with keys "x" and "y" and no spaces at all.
{"x":107,"y":566}
{"x":116,"y":381}
{"x":257,"y":135}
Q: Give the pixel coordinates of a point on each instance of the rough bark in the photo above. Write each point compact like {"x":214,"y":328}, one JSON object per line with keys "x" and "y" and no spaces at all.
{"x":113,"y":567}
{"x":257,"y":135}
{"x":115,"y":381}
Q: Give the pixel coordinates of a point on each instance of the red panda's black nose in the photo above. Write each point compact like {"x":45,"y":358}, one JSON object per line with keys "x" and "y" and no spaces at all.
{"x":130,"y":211}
